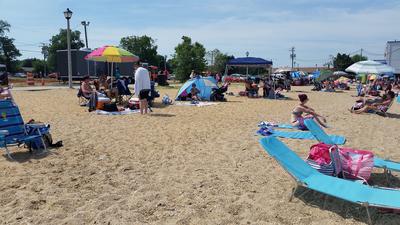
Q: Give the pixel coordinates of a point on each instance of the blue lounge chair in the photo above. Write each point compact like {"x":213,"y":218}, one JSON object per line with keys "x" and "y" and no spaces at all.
{"x":13,"y":131}
{"x":310,"y":178}
{"x":321,"y":136}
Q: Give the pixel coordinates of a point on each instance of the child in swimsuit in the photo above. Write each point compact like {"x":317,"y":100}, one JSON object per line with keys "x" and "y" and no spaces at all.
{"x":297,"y":118}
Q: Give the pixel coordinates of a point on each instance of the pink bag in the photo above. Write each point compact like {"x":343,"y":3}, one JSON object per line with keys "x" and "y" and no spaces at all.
{"x":356,"y":163}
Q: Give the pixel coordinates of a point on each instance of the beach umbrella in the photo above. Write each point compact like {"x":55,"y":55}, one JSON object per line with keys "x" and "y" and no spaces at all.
{"x":111,"y":54}
{"x":343,"y":79}
{"x":284,"y":70}
{"x":324,"y":75}
{"x":340,"y":73}
{"x":370,"y":67}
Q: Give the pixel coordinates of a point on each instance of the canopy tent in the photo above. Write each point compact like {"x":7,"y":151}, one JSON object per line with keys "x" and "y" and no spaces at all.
{"x":249,"y":62}
{"x":204,"y":84}
{"x":369,"y":66}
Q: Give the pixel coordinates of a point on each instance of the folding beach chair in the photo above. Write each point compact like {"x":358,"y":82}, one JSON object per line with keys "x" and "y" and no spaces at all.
{"x":310,"y":178}
{"x":321,"y":136}
{"x":13,"y":131}
{"x":82,"y":99}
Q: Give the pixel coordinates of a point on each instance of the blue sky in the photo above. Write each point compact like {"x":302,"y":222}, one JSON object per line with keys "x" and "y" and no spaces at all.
{"x":268,"y":29}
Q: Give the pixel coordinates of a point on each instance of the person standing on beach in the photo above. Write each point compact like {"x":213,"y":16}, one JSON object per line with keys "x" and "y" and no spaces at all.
{"x":142,"y":87}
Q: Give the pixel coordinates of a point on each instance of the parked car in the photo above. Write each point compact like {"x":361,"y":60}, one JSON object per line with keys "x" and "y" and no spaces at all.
{"x":53,"y":75}
{"x":22,"y":75}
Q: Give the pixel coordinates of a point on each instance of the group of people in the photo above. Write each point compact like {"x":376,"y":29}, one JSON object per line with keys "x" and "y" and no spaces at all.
{"x":270,"y":88}
{"x":104,"y":87}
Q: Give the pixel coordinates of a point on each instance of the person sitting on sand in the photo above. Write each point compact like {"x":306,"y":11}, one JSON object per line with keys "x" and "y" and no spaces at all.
{"x":297,"y":118}
{"x":194,"y":93}
{"x":378,"y":106}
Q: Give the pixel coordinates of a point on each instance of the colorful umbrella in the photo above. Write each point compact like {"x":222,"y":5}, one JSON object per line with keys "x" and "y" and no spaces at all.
{"x":111,"y":54}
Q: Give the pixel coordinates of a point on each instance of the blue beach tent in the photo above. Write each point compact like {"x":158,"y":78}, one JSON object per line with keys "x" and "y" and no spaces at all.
{"x":204,"y":84}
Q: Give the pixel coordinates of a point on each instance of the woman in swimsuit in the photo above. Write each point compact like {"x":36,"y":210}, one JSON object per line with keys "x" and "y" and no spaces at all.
{"x":297,"y":118}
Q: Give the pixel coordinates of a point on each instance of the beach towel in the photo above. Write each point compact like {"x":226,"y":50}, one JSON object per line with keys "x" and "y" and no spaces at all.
{"x":198,"y":104}
{"x":277,"y":125}
{"x":125,"y":112}
{"x":305,"y":135}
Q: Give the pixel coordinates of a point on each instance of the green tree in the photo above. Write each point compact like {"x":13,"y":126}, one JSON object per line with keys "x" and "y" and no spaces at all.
{"x":142,"y":46}
{"x":38,"y":66}
{"x":8,"y":51}
{"x":59,"y":42}
{"x":342,"y":61}
{"x":188,"y":57}
{"x":358,"y":58}
{"x":218,"y":61}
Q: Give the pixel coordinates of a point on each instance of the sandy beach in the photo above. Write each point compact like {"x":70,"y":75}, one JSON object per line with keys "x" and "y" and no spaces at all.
{"x":179,"y":165}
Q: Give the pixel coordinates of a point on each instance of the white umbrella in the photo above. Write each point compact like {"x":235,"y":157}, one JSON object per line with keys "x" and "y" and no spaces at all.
{"x":283,"y":70}
{"x":340,"y":73}
{"x":370,"y":67}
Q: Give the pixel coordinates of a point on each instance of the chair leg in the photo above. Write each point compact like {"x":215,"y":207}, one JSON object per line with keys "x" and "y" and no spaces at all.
{"x":294,"y":189}
{"x":386,"y":172}
{"x":325,"y":199}
{"x":8,"y":153}
{"x":366,"y":205}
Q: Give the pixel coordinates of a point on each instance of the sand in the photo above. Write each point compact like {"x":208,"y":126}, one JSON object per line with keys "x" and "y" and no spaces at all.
{"x":180,"y":165}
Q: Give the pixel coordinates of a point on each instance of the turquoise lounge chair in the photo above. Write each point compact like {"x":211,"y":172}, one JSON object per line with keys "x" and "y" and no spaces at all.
{"x":13,"y":131}
{"x":321,"y":136}
{"x":310,"y":178}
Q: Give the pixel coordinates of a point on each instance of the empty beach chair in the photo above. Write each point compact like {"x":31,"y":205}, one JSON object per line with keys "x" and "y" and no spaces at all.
{"x":13,"y":131}
{"x":310,"y":178}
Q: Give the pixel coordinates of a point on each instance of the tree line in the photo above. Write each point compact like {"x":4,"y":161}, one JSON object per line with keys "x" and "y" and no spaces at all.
{"x":188,"y":55}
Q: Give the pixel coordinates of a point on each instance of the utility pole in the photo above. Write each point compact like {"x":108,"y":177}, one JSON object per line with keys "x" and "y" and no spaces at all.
{"x":361,"y":52}
{"x":85,"y":24}
{"x":292,"y":56}
{"x":45,"y":52}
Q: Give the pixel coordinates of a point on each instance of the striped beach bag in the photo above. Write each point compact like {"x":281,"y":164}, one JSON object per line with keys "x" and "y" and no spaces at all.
{"x":320,"y":158}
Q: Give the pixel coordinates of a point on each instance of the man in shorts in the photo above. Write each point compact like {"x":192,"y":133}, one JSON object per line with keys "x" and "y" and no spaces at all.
{"x":142,"y":87}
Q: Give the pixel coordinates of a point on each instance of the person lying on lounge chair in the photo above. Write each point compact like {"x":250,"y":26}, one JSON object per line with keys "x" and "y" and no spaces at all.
{"x":297,"y":118}
{"x":380,"y":107}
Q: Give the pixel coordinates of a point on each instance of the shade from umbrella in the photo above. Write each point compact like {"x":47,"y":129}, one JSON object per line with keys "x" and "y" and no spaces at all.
{"x":111,"y":54}
{"x":370,"y":67}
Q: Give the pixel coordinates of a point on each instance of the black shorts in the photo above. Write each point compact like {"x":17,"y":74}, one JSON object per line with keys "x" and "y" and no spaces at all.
{"x":144,"y":94}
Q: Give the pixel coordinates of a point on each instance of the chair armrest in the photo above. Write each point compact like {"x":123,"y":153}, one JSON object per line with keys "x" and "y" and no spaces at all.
{"x":37,"y":125}
{"x":3,"y":133}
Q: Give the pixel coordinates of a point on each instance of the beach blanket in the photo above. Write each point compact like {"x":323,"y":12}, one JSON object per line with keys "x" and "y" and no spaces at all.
{"x":305,"y":135}
{"x":198,"y":104}
{"x":125,"y":112}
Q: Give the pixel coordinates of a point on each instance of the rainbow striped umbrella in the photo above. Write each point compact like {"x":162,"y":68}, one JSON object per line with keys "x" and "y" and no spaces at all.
{"x":111,"y":54}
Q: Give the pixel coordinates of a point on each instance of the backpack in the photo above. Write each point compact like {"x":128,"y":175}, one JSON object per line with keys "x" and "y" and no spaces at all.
{"x":37,"y":143}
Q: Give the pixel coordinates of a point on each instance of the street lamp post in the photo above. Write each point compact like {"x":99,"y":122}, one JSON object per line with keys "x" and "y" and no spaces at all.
{"x":85,"y":24}
{"x":68,"y":15}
